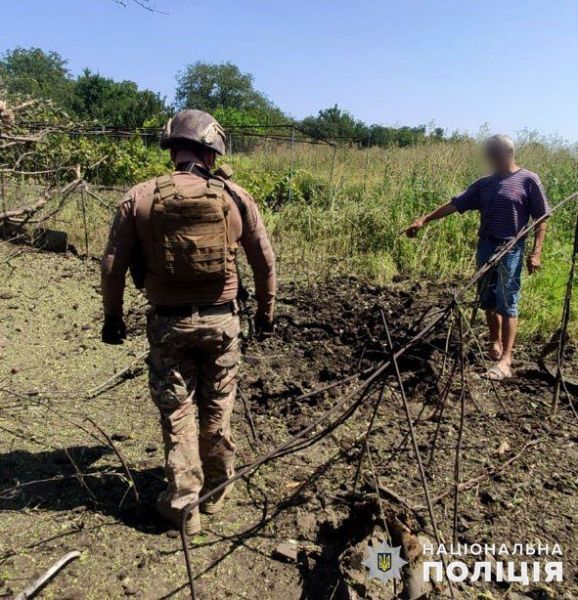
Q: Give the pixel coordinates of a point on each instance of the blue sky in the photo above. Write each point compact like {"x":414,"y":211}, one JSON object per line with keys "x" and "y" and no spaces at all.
{"x":460,"y":63}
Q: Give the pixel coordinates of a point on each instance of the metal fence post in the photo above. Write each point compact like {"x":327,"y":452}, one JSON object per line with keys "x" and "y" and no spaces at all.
{"x":291,"y":165}
{"x":366,"y":165}
{"x":331,"y":174}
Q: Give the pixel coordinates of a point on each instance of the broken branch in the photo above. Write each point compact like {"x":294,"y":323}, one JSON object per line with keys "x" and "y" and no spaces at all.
{"x":38,"y":584}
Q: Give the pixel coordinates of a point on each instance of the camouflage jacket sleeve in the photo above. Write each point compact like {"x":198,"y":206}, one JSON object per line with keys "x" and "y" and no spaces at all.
{"x":116,"y":260}
{"x":257,"y":247}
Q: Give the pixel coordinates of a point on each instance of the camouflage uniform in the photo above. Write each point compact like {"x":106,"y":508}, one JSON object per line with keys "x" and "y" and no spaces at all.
{"x":193,"y":325}
{"x":194,"y":362}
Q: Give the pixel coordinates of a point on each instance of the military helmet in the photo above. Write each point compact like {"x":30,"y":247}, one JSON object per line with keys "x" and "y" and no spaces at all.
{"x":194,"y":126}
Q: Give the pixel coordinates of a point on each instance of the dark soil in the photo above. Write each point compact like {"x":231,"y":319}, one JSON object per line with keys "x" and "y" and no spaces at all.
{"x":62,"y":487}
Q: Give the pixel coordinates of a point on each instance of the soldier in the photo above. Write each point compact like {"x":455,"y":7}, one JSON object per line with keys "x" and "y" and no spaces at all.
{"x":187,"y":227}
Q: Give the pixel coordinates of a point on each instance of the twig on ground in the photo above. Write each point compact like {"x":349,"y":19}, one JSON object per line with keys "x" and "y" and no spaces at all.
{"x":119,"y":454}
{"x":443,"y":402}
{"x":376,"y":485}
{"x":394,"y":496}
{"x":31,"y":590}
{"x":116,"y":378}
{"x":466,"y":485}
{"x":249,"y":416}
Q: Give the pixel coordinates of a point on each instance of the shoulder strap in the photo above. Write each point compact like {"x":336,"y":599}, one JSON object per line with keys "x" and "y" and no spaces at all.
{"x":165,"y":187}
{"x":215,"y":183}
{"x":205,"y":174}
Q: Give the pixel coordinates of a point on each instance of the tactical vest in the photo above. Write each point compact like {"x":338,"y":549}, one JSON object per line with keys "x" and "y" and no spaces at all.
{"x":189,"y":231}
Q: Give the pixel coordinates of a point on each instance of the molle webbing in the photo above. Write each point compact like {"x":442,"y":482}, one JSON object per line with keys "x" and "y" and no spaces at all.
{"x":190,"y":231}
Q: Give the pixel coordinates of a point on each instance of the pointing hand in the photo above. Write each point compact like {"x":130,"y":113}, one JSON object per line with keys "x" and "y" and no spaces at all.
{"x":413,"y":229}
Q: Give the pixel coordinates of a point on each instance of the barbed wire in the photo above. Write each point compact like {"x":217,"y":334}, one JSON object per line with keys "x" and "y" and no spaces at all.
{"x":263,"y":130}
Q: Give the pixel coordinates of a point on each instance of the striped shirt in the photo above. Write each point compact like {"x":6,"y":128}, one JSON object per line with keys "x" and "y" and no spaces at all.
{"x":505,"y":203}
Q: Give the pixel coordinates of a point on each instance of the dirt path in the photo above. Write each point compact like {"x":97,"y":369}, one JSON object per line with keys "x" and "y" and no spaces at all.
{"x":62,"y":487}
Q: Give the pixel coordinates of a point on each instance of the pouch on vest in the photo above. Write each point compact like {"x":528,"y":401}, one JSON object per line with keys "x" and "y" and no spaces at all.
{"x":190,"y":231}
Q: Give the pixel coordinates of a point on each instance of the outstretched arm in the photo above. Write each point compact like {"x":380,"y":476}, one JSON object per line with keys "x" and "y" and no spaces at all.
{"x":439,"y":213}
{"x":469,"y":199}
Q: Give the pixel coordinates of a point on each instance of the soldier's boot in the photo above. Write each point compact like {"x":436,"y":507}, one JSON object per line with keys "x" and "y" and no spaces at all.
{"x":174,"y":516}
{"x":215,"y":502}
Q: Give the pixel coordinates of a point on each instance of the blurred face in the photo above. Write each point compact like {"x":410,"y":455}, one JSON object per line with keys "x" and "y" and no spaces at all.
{"x":499,"y":157}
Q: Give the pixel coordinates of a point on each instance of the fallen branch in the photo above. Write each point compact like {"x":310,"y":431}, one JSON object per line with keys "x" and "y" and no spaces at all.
{"x":38,"y":584}
{"x":466,"y":485}
{"x":293,"y":444}
{"x":393,"y":496}
{"x":416,"y":449}
{"x":249,"y":416}
{"x":115,"y":379}
{"x":25,"y":104}
{"x":28,"y":211}
{"x":63,"y":192}
{"x":119,"y":455}
{"x":20,"y":139}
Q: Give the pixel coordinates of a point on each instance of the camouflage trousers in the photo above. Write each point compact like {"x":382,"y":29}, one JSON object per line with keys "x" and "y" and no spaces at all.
{"x":193,"y":366}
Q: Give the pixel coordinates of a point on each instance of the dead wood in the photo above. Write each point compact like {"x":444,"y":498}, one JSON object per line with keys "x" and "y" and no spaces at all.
{"x":116,"y":378}
{"x":119,"y":455}
{"x":31,"y":590}
{"x":470,"y":483}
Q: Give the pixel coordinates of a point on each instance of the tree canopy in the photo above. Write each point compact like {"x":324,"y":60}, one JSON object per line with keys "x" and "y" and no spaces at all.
{"x":33,"y":72}
{"x":39,"y":74}
{"x":115,"y":103}
{"x":211,"y":86}
{"x":334,"y":123}
{"x":219,"y":88}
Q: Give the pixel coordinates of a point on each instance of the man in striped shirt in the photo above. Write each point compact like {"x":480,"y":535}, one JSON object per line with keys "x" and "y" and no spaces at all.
{"x":507,"y":199}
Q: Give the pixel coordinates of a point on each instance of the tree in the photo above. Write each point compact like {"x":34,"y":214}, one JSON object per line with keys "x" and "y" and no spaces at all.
{"x":397,"y":136}
{"x":334,"y":123}
{"x":210,"y":86}
{"x":115,"y":103}
{"x":33,"y":72}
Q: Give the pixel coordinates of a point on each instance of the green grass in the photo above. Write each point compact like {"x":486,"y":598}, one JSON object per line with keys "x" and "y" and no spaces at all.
{"x":347,"y":212}
{"x":353,"y":221}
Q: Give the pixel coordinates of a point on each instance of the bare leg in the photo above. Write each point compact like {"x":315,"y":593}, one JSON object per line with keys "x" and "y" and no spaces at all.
{"x":509,"y":328}
{"x":494,"y":321}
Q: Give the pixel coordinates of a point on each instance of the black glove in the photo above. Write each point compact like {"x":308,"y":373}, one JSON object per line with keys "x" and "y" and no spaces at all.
{"x":264,"y":325}
{"x":113,"y":330}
